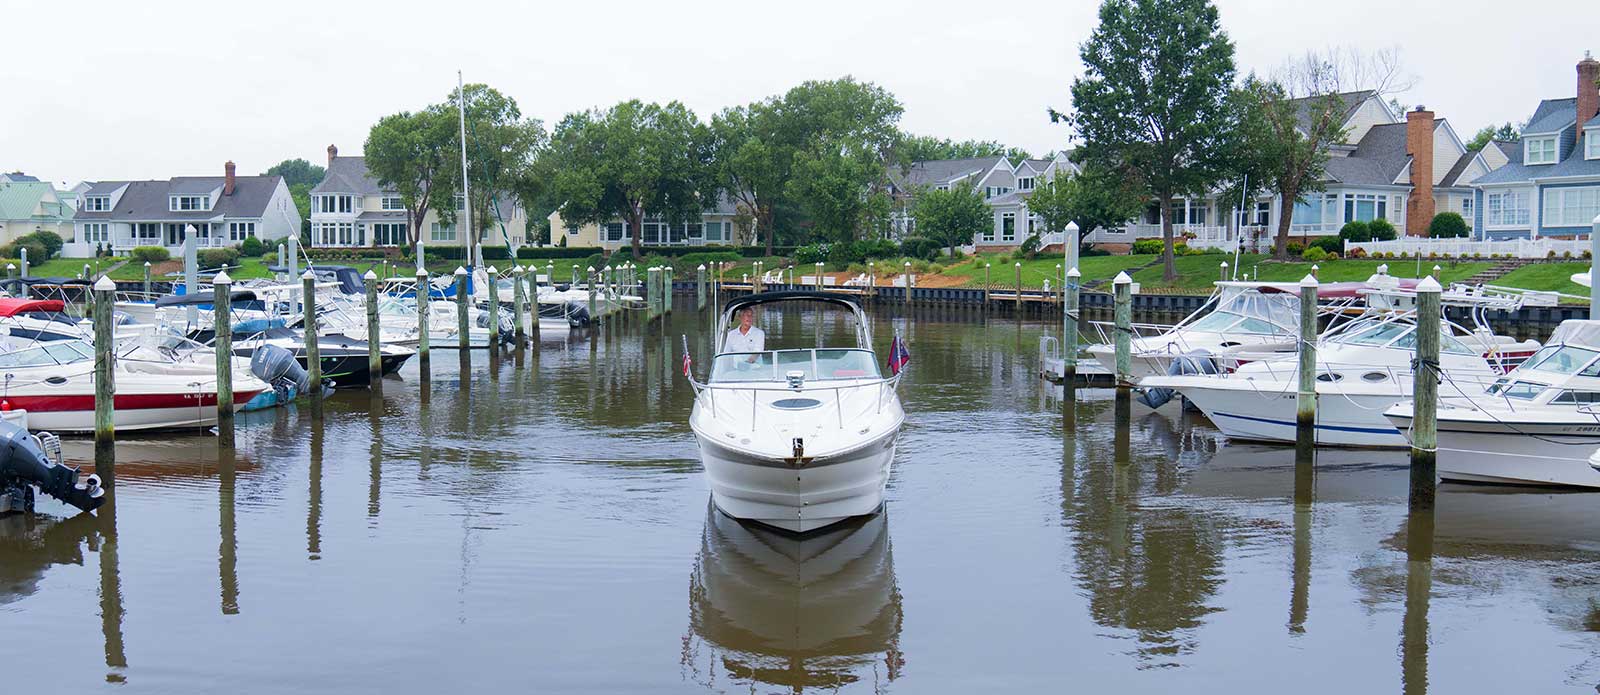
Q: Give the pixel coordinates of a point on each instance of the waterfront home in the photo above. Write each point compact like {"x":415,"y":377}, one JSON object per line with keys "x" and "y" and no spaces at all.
{"x":1005,"y":188}
{"x":351,"y":209}
{"x":28,"y":205}
{"x":224,"y":211}
{"x":714,"y":227}
{"x":1551,"y":184}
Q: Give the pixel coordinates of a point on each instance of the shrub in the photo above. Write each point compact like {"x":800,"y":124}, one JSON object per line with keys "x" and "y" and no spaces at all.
{"x":1314,"y":254}
{"x":875,"y":249}
{"x":49,"y":240}
{"x":1331,"y":244}
{"x":1145,"y":247}
{"x":252,"y":248}
{"x":1448,"y":225}
{"x":1566,"y":254}
{"x":1587,"y":254}
{"x":1552,"y":254}
{"x":1382,"y":230}
{"x":920,"y":247}
{"x":149,"y":254}
{"x":1088,"y":250}
{"x":811,"y":253}
{"x":216,"y":258}
{"x":1296,"y":248}
{"x":957,"y":256}
{"x":540,"y":252}
{"x":1030,"y":247}
{"x":36,"y":251}
{"x":270,"y":257}
{"x":1355,"y":231}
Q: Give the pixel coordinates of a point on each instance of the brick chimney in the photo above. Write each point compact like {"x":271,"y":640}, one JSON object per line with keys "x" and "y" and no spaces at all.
{"x":1588,"y":90}
{"x":227,"y":179}
{"x":1419,"y":144}
{"x":333,"y":151}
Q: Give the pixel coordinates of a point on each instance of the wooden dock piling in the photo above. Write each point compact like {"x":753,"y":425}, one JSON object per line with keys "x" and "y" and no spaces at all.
{"x":424,"y":295}
{"x":700,"y":288}
{"x":518,"y":306}
{"x":1122,"y":291}
{"x":532,"y":278}
{"x":222,"y":313}
{"x":374,"y":336}
{"x":463,"y":334}
{"x":493,"y":289}
{"x":313,"y":349}
{"x":594,"y":309}
{"x":1425,"y":397}
{"x":105,"y":390}
{"x":1069,"y":329}
{"x":1305,"y":438}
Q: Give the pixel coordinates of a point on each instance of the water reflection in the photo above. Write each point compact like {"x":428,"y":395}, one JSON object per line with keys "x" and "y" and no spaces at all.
{"x":820,"y":611}
{"x":228,"y":549}
{"x":31,"y":544}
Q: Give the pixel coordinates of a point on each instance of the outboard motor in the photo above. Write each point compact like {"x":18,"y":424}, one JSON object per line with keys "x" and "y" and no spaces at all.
{"x":24,"y":463}
{"x":1197,"y":362}
{"x":277,"y":365}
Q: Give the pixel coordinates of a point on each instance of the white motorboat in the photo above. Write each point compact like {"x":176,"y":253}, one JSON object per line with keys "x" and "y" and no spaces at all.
{"x":1537,"y":425}
{"x":1363,"y":367}
{"x":797,"y":438}
{"x":54,"y":382}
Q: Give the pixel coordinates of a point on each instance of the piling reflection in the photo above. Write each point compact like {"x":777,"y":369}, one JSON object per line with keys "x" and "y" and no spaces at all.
{"x":818,"y":612}
{"x":111,"y":593}
{"x":228,"y":547}
{"x":314,"y":491}
{"x":375,"y":457}
{"x":1419,"y":590}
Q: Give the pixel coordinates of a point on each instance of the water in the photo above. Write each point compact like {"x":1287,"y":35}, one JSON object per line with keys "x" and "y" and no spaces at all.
{"x":548,"y":530}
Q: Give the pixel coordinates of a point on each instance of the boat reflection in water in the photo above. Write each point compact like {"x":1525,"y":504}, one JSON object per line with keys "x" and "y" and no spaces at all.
{"x":820,"y":611}
{"x":31,"y":544}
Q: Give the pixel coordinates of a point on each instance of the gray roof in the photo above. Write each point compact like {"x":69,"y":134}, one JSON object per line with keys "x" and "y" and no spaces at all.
{"x":1305,"y":107}
{"x":146,"y":201}
{"x":383,"y":216}
{"x":349,"y":175}
{"x":1509,"y":148}
{"x":1460,"y":167}
{"x":19,"y":177}
{"x":941,"y":171}
{"x":1552,"y":116}
{"x":1377,"y":160}
{"x":1593,"y":122}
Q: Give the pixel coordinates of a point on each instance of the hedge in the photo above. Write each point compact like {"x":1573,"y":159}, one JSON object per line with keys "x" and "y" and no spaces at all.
{"x":550,"y":251}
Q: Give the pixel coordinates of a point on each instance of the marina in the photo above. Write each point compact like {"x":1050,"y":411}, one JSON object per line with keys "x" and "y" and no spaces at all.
{"x":546,"y":506}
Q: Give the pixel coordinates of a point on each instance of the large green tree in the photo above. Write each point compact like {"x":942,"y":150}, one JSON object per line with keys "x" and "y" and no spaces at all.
{"x":1153,"y":101}
{"x":1094,"y":198}
{"x":1283,"y":139}
{"x":922,"y":148}
{"x":411,"y":153}
{"x":631,"y":159}
{"x":1506,"y":133}
{"x":951,"y":216}
{"x":502,"y":147}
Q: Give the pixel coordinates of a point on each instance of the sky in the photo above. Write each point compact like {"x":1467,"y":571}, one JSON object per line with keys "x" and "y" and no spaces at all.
{"x":129,"y":90}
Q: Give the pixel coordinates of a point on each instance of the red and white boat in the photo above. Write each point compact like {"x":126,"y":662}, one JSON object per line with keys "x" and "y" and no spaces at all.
{"x":54,"y":382}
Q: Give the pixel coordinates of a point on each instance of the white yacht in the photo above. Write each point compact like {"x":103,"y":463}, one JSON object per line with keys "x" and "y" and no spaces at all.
{"x":797,"y":438}
{"x":1537,"y":425}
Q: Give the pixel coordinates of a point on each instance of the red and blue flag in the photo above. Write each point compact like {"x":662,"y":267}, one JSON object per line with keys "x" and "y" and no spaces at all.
{"x":899,"y":356}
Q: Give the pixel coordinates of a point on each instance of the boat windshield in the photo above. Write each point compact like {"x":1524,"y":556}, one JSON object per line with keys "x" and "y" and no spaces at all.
{"x":1520,"y":390}
{"x":775,"y":365}
{"x":1398,"y":335}
{"x":56,"y":352}
{"x":1563,"y":359}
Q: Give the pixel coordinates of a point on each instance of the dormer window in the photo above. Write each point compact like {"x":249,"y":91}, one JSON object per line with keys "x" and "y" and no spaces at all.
{"x":185,"y":203}
{"x":97,"y":203}
{"x":461,"y":202}
{"x":1591,"y":143}
{"x":1540,"y":150}
{"x":393,"y":202}
{"x":1025,"y":184}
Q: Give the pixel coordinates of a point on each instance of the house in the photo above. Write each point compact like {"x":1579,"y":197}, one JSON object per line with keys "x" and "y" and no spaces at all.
{"x":351,"y":209}
{"x":224,"y":210}
{"x":715,"y":227}
{"x":1005,"y":188}
{"x":1550,"y":185}
{"x":28,"y":205}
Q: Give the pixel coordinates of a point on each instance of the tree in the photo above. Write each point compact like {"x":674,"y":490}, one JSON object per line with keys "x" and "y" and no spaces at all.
{"x":297,"y":171}
{"x":411,"y":154}
{"x":1152,"y":103}
{"x":1092,"y":199}
{"x":923,"y":148}
{"x":502,"y":147}
{"x":1448,"y":225}
{"x":629,"y":159}
{"x":951,"y":217}
{"x":1489,"y":133}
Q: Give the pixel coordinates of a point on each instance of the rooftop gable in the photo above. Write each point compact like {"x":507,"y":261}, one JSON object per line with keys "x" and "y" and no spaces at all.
{"x":1552,"y":116}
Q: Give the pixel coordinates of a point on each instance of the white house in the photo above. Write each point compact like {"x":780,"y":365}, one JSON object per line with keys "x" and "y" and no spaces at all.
{"x":350,"y":209}
{"x":714,"y":227}
{"x":1005,"y":188}
{"x":224,"y":210}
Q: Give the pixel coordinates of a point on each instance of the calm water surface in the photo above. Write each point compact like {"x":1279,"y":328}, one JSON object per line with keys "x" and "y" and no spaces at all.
{"x":543,"y":526}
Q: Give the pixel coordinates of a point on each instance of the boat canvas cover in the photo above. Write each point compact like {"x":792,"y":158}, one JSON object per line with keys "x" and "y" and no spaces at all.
{"x":12,"y":307}
{"x":1280,"y":309}
{"x":1577,"y":332}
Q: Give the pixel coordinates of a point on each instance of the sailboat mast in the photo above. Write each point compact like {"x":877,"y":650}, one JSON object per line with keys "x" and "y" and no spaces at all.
{"x":466,"y":188}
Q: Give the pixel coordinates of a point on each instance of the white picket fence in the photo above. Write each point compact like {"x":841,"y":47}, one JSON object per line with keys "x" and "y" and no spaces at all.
{"x":1459,"y":248}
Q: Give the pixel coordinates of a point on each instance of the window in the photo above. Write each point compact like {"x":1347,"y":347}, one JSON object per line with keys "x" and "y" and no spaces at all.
{"x":96,"y":233}
{"x":461,"y":202}
{"x":617,"y":231}
{"x":1466,"y":210}
{"x":1570,"y":207}
{"x":1008,"y":226}
{"x":188,"y":202}
{"x":992,"y":191}
{"x":336,"y":203}
{"x":1540,"y":150}
{"x":1365,"y":207}
{"x":239,"y":231}
{"x":713,"y":231}
{"x":988,"y":234}
{"x":147,"y":234}
{"x":97,"y":203}
{"x":337,"y":234}
{"x":392,"y":202}
{"x":941,"y":187}
{"x":1263,"y":213}
{"x":1033,"y":224}
{"x":389,"y":233}
{"x":1591,"y":143}
{"x":1506,"y":209}
{"x":1025,"y":184}
{"x":442,"y":232}
{"x":695,"y":230}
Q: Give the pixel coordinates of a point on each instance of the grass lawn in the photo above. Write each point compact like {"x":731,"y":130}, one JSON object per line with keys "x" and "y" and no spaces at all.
{"x":66,"y":267}
{"x":1034,"y":272}
{"x":1548,"y":277}
{"x":1196,"y":273}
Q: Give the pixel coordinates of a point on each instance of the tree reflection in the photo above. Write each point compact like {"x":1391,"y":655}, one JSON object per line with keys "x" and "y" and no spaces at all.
{"x":819,"y":611}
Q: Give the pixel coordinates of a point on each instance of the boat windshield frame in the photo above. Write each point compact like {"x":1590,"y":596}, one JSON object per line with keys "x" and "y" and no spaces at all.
{"x":49,"y":353}
{"x":729,"y":316}
{"x":777,"y":368}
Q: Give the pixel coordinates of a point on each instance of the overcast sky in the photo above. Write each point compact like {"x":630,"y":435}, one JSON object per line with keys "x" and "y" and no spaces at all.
{"x":134,"y":90}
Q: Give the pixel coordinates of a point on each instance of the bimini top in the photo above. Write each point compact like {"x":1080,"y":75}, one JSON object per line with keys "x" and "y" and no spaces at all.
{"x":204,"y":298}
{"x":863,"y":333}
{"x":1578,"y":332}
{"x":12,"y":307}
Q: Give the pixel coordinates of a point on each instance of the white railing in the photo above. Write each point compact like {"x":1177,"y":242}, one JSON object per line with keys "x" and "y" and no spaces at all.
{"x":1455,"y":248}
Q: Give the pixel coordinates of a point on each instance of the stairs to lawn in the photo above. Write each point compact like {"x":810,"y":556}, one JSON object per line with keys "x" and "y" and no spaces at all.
{"x":1499,"y":270}
{"x":1096,"y":284}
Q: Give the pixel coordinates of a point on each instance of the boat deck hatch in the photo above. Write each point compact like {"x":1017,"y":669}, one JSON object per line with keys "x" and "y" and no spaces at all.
{"x":796,"y":403}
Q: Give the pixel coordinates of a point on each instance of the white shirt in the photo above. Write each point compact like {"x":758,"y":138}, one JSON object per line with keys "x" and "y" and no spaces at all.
{"x":754,"y":341}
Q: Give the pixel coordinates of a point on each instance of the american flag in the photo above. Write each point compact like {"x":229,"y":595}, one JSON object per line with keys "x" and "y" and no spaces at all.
{"x":899,"y":356}
{"x":686,"y":362}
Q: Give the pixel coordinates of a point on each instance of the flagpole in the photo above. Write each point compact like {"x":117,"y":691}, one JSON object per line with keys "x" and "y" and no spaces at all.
{"x":466,"y":187}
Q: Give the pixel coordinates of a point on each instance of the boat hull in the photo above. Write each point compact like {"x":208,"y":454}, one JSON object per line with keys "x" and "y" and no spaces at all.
{"x":1514,"y":453}
{"x":1354,"y":420}
{"x":133,"y":411}
{"x":798,"y":498}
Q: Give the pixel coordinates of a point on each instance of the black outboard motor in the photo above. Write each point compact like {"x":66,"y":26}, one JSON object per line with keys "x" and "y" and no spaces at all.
{"x":1197,"y":362}
{"x":277,"y":366}
{"x":24,"y":463}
